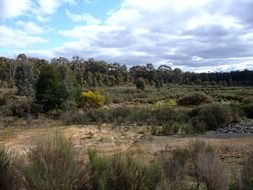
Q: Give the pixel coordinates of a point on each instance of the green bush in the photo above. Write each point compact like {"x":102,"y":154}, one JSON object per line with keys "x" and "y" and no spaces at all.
{"x":194,"y":99}
{"x":51,"y":165}
{"x":25,"y":108}
{"x":171,"y":120}
{"x":122,"y":172}
{"x":19,"y":107}
{"x":213,"y":116}
{"x":49,"y":92}
{"x":24,"y":79}
{"x":247,"y":109}
{"x":163,"y":115}
{"x":140,"y":84}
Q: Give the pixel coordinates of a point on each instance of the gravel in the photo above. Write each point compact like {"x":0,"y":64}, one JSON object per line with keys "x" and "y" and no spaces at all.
{"x":237,"y":128}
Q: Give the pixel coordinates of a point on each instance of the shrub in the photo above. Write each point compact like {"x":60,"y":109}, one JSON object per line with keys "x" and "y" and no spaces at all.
{"x":51,"y":165}
{"x":174,"y":169}
{"x":213,"y":116}
{"x":212,"y":172}
{"x":172,"y":128}
{"x":4,"y":165}
{"x":140,"y":84}
{"x":119,"y":115}
{"x":7,"y":177}
{"x":19,"y":107}
{"x":206,"y":167}
{"x":74,"y":117}
{"x":91,"y":99}
{"x":163,"y":115}
{"x":141,"y":116}
{"x":247,"y":109}
{"x":25,"y":108}
{"x":194,"y":99}
{"x":24,"y":79}
{"x":199,"y":126}
{"x":49,"y":92}
{"x":247,"y":172}
{"x":121,"y":172}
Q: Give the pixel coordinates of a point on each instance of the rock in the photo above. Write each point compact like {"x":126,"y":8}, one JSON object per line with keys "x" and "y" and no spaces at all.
{"x":237,"y":128}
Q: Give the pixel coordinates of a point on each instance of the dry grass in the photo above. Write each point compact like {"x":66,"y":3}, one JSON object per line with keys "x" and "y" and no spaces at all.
{"x":107,"y":141}
{"x":52,"y":164}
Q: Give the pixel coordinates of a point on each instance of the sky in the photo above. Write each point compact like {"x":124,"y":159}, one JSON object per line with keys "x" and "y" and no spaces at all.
{"x":194,"y":35}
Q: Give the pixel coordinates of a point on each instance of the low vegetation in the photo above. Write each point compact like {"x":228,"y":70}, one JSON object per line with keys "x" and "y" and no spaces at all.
{"x":5,"y":178}
{"x":51,"y":165}
{"x":247,"y":172}
{"x":194,"y":99}
{"x":213,"y":116}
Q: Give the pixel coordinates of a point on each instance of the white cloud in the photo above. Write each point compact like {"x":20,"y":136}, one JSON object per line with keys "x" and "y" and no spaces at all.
{"x":47,"y":6}
{"x":12,"y":38}
{"x":85,"y":17}
{"x":205,"y":18}
{"x":91,"y":32}
{"x":192,"y":34}
{"x":30,"y":27}
{"x":88,"y":1}
{"x":13,"y":8}
{"x":189,"y":34}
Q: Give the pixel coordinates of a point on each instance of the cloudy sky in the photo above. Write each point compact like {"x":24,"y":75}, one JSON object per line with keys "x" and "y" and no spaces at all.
{"x":194,"y":35}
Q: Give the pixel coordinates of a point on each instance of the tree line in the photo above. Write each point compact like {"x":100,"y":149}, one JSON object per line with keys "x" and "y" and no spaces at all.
{"x":94,"y":73}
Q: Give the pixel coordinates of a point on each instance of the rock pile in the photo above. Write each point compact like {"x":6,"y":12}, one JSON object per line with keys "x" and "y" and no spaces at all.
{"x":237,"y":128}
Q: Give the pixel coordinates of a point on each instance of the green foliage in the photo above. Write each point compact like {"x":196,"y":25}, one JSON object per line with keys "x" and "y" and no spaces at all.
{"x":7,"y":176}
{"x":91,"y":73}
{"x":212,"y":117}
{"x":25,"y":108}
{"x":122,"y":172}
{"x":51,"y":165}
{"x":68,"y":84}
{"x":49,"y":92}
{"x":247,"y":109}
{"x":24,"y":80}
{"x":12,"y":105}
{"x":91,"y":99}
{"x":194,"y":99}
{"x":166,"y":103}
{"x":140,"y":84}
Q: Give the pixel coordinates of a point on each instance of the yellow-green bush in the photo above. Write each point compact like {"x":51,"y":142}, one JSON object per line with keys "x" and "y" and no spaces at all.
{"x":91,"y":99}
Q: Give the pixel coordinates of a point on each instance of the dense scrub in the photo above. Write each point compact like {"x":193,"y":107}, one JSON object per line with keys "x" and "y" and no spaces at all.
{"x":213,"y":116}
{"x":194,"y":99}
{"x":198,"y":120}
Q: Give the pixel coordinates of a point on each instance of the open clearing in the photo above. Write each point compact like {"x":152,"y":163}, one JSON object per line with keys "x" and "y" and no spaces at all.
{"x":108,"y":141}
